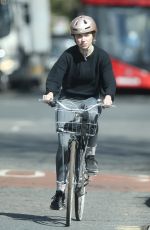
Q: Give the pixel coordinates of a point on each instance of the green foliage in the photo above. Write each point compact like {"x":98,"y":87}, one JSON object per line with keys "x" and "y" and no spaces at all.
{"x":65,"y":7}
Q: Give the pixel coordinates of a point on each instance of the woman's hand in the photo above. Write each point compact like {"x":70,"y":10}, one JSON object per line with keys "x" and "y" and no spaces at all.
{"x":107,"y":100}
{"x":48,"y":97}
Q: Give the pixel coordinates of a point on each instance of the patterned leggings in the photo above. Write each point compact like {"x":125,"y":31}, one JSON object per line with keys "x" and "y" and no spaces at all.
{"x":63,"y":138}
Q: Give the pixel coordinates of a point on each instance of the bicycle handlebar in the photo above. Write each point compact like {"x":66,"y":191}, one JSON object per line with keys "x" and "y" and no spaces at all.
{"x":99,"y":103}
{"x":80,"y":109}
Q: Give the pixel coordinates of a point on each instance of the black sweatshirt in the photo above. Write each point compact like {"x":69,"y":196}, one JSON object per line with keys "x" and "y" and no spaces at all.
{"x":80,"y":78}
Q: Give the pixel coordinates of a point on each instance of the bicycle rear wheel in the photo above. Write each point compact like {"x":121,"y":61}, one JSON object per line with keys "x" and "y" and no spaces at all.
{"x":80,"y":187}
{"x":79,"y":204}
{"x":70,"y":185}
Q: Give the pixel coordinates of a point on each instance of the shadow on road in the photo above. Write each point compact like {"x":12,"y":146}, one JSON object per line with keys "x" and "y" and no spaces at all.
{"x":147,"y":202}
{"x":113,"y":153}
{"x":22,"y":144}
{"x":43,"y":220}
{"x":14,"y":143}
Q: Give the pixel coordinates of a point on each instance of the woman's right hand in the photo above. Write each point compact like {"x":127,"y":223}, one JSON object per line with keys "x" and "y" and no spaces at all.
{"x":48,"y":97}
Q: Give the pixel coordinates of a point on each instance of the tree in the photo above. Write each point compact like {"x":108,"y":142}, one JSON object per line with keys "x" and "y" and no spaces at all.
{"x":67,"y":8}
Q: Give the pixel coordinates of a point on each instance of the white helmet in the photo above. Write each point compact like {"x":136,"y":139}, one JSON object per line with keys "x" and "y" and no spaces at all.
{"x":83,"y":24}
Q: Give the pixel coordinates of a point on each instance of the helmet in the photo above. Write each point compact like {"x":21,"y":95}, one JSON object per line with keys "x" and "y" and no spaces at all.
{"x":83,"y":24}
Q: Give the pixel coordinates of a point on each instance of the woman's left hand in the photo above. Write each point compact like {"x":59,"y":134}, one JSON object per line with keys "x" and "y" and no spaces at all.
{"x":107,"y":100}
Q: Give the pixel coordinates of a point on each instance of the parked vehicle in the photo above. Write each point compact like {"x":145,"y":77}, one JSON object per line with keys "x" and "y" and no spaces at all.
{"x":124,"y":31}
{"x":25,"y":42}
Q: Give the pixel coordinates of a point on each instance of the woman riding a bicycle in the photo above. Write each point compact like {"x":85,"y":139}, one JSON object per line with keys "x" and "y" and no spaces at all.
{"x":82,"y":74}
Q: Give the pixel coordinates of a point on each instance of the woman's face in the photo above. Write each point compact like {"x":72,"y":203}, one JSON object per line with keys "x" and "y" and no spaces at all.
{"x":84,"y":41}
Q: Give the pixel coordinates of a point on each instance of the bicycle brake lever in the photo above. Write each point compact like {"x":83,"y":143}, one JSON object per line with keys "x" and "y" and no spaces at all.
{"x":52,"y":103}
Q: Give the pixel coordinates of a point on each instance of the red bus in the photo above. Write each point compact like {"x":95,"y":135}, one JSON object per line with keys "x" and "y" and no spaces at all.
{"x":124,"y":32}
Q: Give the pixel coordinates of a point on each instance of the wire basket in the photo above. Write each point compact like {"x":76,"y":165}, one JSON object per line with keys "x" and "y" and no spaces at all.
{"x":77,"y":126}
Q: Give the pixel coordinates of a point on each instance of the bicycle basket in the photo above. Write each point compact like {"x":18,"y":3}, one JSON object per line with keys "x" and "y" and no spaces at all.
{"x":77,"y":127}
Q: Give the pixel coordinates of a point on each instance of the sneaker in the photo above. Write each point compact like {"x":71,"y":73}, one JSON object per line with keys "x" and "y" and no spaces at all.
{"x":58,"y":202}
{"x":91,"y":164}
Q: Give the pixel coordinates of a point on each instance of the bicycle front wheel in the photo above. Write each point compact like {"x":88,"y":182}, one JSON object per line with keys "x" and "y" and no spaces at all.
{"x":71,"y":178}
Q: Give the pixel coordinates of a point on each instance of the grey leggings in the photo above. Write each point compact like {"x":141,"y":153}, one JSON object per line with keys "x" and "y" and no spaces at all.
{"x":63,"y":138}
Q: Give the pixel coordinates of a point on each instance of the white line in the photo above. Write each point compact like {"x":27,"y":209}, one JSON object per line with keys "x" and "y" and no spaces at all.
{"x":129,"y":228}
{"x":144,"y":178}
{"x":7,"y":173}
{"x":18,"y":125}
{"x":15,"y":129}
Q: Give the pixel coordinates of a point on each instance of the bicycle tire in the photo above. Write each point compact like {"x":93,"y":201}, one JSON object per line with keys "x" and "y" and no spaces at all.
{"x":70,"y":184}
{"x":80,"y":190}
{"x":79,"y":205}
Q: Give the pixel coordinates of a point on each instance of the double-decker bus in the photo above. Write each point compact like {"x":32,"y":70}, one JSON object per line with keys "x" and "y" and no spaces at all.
{"x":124,"y":32}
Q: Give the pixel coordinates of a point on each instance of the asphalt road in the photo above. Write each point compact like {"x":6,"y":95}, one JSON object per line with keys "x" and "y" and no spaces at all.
{"x":118,"y":198}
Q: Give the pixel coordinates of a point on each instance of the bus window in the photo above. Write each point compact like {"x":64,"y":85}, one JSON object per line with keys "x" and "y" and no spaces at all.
{"x":123,"y":32}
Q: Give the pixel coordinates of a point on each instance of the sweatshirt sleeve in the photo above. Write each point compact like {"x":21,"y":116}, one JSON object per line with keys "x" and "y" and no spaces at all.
{"x":56,"y":74}
{"x":108,"y":79}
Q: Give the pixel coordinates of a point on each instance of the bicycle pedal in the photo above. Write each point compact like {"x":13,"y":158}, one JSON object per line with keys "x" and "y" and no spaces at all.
{"x":86,"y":183}
{"x":81,"y":194}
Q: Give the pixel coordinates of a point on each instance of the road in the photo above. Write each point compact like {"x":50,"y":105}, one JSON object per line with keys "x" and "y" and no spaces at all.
{"x":118,"y":198}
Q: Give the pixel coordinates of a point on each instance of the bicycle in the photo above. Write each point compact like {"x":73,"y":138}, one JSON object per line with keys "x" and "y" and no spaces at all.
{"x":80,"y":129}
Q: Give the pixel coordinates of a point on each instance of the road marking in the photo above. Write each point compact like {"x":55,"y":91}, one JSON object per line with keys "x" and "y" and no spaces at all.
{"x":15,"y":129}
{"x":19,"y":124}
{"x":146,"y":227}
{"x":21,"y":173}
{"x":129,"y":228}
{"x":143,"y":178}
